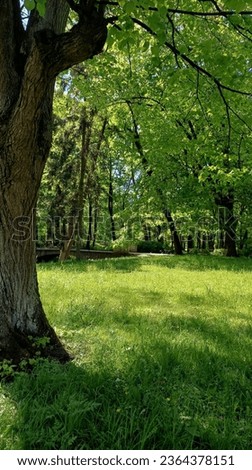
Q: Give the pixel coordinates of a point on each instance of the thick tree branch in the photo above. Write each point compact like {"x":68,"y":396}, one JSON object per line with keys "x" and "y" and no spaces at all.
{"x":11,"y":36}
{"x":49,"y":54}
{"x":209,"y":13}
{"x":85,"y":40}
{"x":179,"y":11}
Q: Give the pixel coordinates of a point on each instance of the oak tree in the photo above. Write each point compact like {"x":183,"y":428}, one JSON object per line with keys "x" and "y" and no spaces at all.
{"x":33,"y":51}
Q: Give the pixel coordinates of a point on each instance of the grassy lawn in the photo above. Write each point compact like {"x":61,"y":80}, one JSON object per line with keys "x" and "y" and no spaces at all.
{"x":163,"y":358}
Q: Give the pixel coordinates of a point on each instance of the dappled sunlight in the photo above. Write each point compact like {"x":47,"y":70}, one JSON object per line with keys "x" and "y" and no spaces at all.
{"x":161,"y":360}
{"x":203,"y":263}
{"x":117,"y":306}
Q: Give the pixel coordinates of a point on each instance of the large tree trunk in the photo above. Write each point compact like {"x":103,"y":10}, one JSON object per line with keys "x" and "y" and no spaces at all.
{"x":22,"y":317}
{"x":30,"y":60}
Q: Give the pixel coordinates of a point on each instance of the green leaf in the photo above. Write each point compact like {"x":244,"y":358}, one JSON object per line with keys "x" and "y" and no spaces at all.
{"x":163,"y":11}
{"x":41,"y":7}
{"x":29,"y":4}
{"x":155,"y":50}
{"x":236,"y":5}
{"x":162,"y":36}
{"x":155,"y":22}
{"x":235,"y":19}
{"x":129,"y":7}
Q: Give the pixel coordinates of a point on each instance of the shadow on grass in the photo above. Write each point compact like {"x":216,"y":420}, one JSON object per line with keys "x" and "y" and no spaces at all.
{"x":226,"y":338}
{"x":203,"y":262}
{"x":127,"y":264}
{"x":181,"y":381}
{"x":159,"y":401}
{"x":130,"y":264}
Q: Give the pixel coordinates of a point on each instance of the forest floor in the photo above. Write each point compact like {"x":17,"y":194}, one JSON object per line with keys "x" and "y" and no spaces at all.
{"x":162,"y":358}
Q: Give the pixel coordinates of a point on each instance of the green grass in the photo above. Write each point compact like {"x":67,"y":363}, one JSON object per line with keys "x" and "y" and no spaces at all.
{"x":163,"y":358}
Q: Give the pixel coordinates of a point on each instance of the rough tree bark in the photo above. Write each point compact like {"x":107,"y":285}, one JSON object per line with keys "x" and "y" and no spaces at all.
{"x":30,"y":59}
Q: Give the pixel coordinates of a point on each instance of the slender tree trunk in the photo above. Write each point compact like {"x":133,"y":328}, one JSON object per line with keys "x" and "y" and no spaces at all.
{"x":211,"y":239}
{"x":221,"y":239}
{"x":111,"y":207}
{"x":227,"y":223}
{"x":146,"y":231}
{"x":90,"y":224}
{"x":243,"y":238}
{"x":86,"y":129}
{"x":95,"y":226}
{"x":68,"y":243}
{"x":174,"y":234}
{"x":199,"y":240}
{"x":230,"y":232}
{"x":190,"y":243}
{"x":204,"y":240}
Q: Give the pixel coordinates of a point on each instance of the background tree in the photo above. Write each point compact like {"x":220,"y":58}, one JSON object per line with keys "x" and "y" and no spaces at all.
{"x":34,"y":49}
{"x":191,"y":131}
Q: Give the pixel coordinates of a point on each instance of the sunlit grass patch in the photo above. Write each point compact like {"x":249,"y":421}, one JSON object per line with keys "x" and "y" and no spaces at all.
{"x":162,"y":348}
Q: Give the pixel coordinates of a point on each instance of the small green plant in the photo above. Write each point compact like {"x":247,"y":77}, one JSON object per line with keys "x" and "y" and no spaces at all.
{"x":40,"y":343}
{"x":27,"y":364}
{"x":123,"y":245}
{"x":7,"y":370}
